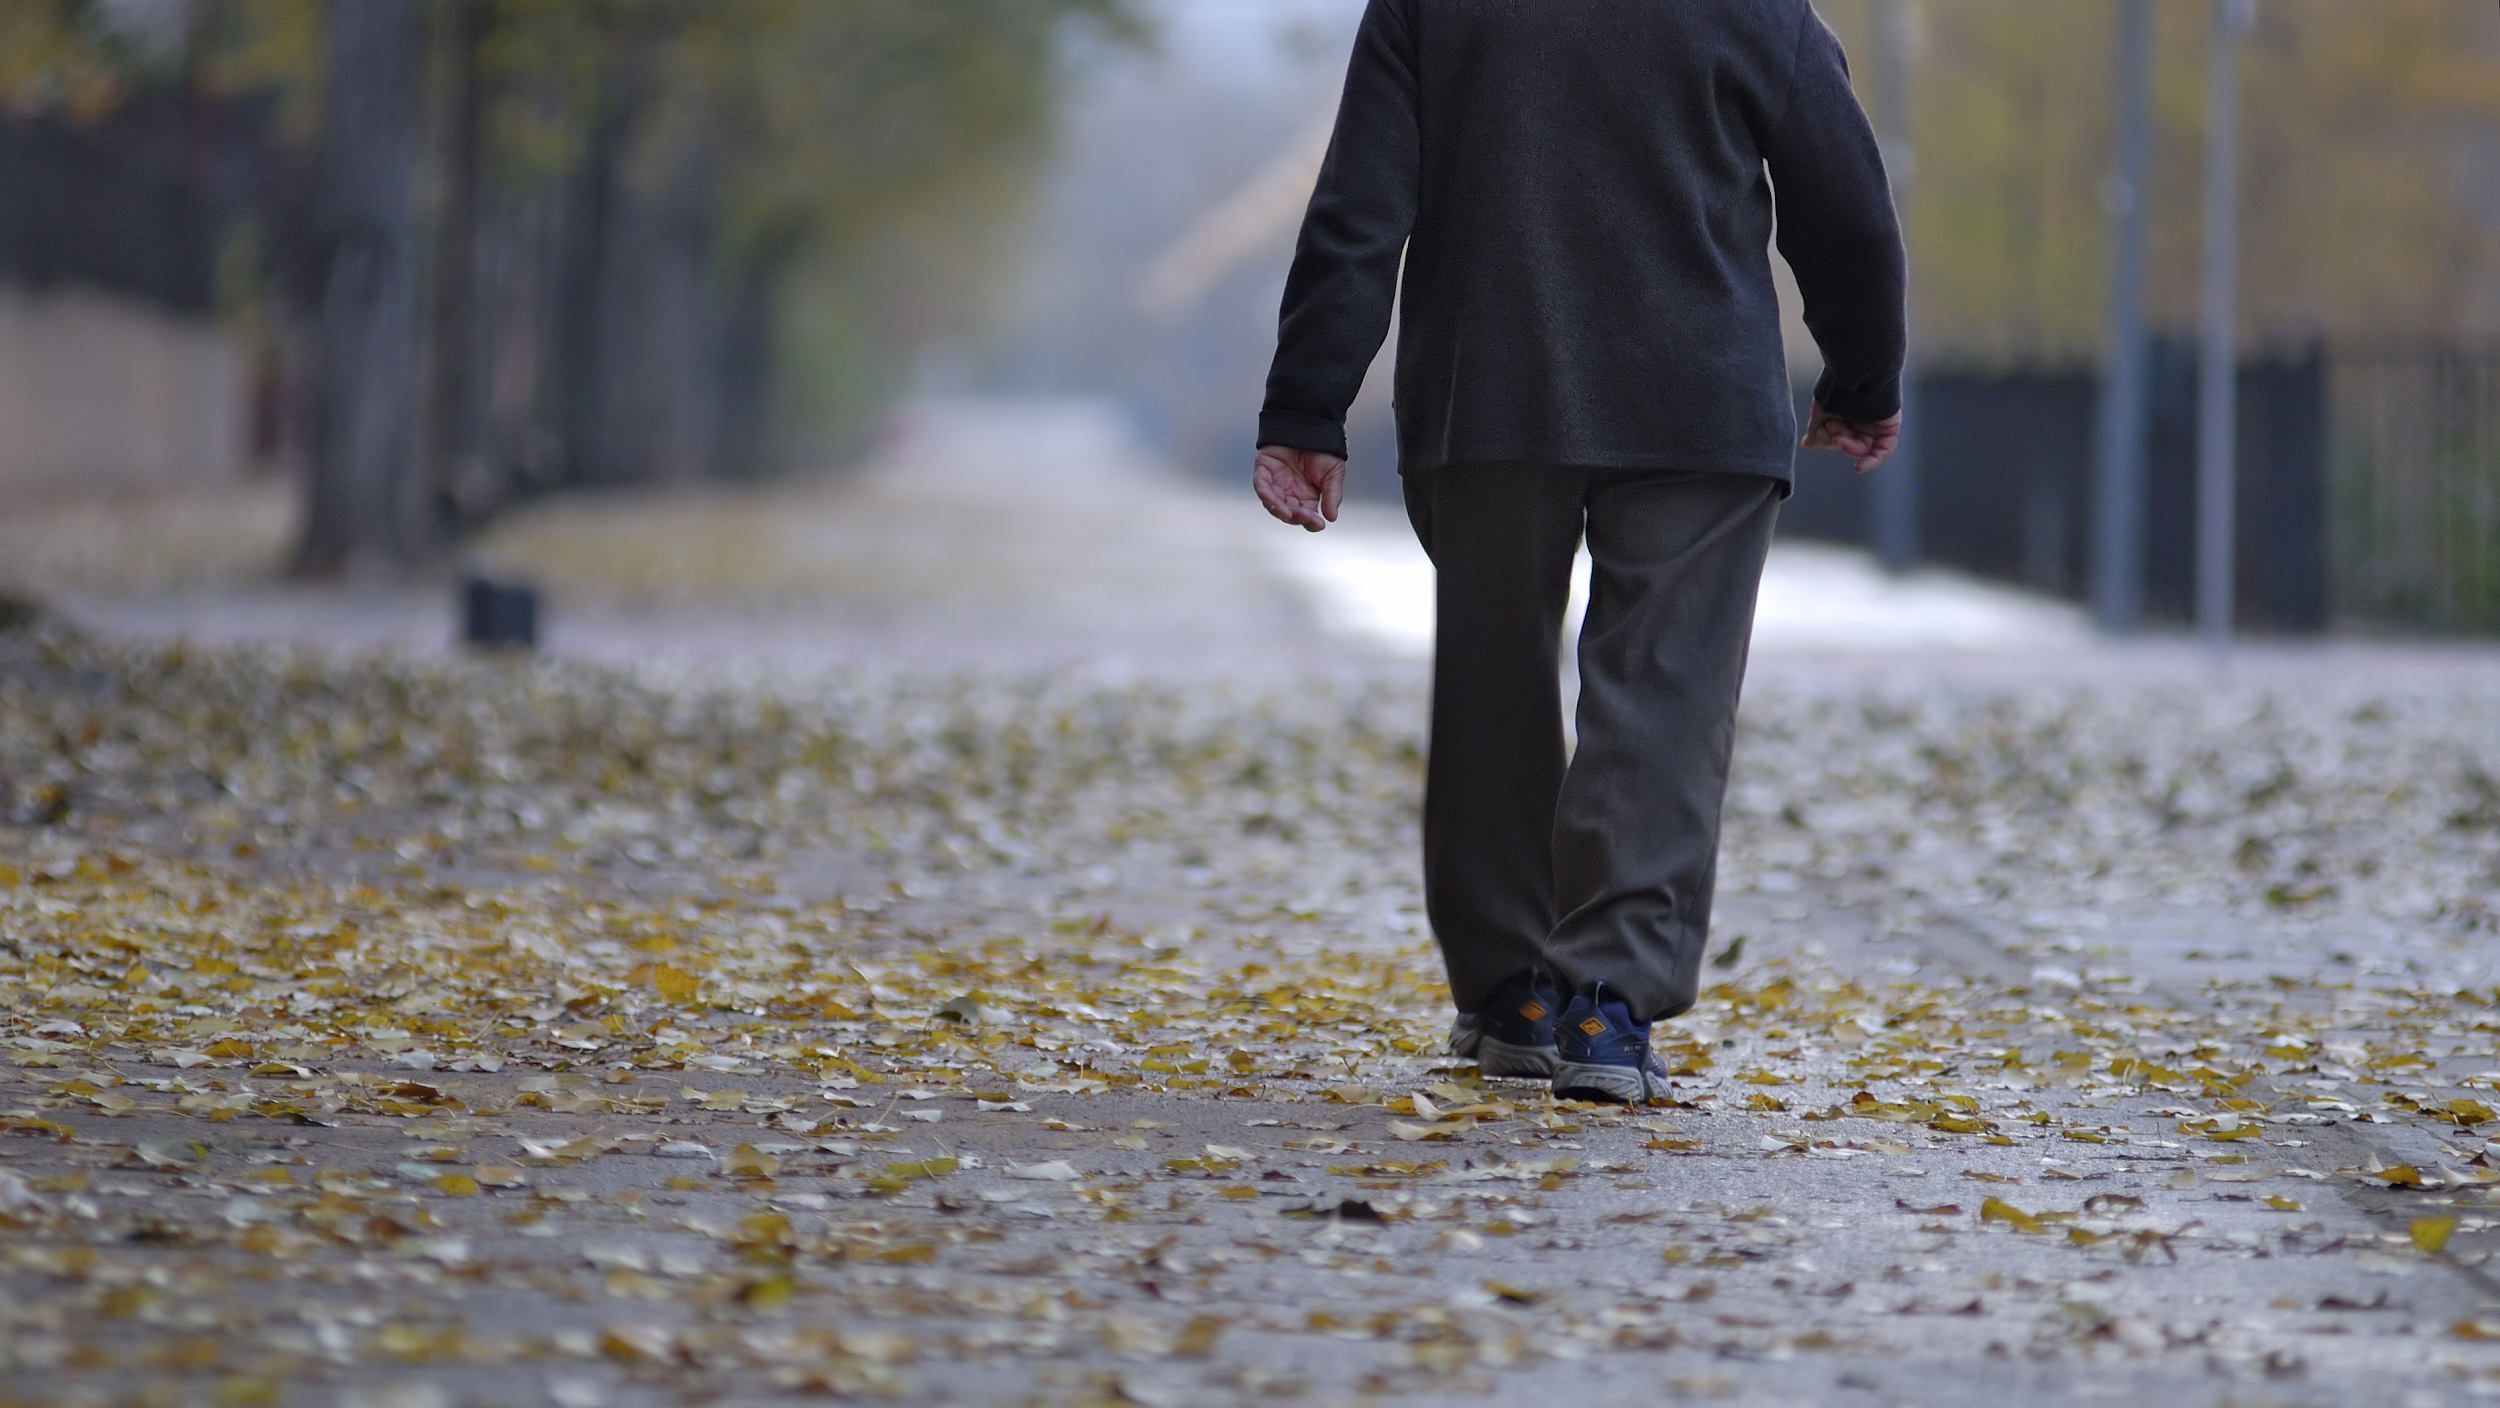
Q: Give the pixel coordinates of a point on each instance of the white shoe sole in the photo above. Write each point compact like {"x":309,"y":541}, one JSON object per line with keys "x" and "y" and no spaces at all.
{"x":1622,"y":1085}
{"x":1500,"y":1058}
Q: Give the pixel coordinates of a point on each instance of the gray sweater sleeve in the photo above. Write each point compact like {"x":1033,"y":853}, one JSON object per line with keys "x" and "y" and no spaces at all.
{"x":1345,"y":267}
{"x":1838,"y":232}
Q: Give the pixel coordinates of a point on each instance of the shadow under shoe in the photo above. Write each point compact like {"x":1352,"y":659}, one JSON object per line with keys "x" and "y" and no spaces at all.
{"x":1514,"y":1035}
{"x":1602,"y":1054}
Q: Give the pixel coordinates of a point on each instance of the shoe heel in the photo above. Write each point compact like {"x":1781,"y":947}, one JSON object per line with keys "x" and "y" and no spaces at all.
{"x":1619,"y":1085}
{"x":1499,"y":1058}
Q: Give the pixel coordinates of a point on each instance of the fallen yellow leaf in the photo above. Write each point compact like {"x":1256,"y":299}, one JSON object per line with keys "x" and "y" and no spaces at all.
{"x":1998,"y":1210}
{"x":2431,"y":1233}
{"x":675,"y":984}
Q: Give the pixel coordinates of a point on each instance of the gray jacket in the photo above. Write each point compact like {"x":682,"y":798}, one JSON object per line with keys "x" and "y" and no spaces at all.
{"x":1582,"y":194}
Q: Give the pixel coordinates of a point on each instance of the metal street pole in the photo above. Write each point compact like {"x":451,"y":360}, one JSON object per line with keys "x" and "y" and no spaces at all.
{"x":2118,"y":452}
{"x":1895,"y":529}
{"x":2216,"y":380}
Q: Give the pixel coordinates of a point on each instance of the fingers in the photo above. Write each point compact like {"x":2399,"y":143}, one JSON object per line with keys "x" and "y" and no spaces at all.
{"x":1278,"y":488}
{"x":1866,"y":443}
{"x":1847,"y":442}
{"x":1834,"y":433}
{"x":1879,"y":446}
{"x":1289,"y":508}
{"x":1300,"y":487}
{"x":1263,"y":484}
{"x":1306,"y":513}
{"x":1882,"y":438}
{"x":1818,"y":427}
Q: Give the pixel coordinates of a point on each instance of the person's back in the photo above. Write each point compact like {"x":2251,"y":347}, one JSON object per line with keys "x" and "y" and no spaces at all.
{"x":1589,"y":281}
{"x":1581,"y":195}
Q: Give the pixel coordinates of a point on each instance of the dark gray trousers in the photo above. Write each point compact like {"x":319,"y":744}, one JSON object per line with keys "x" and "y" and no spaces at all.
{"x":1602,"y":870}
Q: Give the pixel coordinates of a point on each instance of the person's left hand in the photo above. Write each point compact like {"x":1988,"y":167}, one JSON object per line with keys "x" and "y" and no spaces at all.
{"x":1868,"y":442}
{"x":1301,"y":487}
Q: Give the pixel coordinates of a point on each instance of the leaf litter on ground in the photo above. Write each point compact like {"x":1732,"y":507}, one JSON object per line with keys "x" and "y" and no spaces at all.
{"x":302,"y":898}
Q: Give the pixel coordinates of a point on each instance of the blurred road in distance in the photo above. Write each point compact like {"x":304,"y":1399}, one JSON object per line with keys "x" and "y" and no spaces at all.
{"x":1019,"y":533}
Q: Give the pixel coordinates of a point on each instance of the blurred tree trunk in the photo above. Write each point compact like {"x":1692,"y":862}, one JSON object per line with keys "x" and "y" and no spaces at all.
{"x":585,"y":344}
{"x":681,"y":333}
{"x":370,"y":508}
{"x":746,"y":368}
{"x":457,"y":456}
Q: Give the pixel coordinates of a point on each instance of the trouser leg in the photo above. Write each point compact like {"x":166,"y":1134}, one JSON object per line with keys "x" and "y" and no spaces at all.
{"x":1501,"y":538}
{"x":1677,"y":563}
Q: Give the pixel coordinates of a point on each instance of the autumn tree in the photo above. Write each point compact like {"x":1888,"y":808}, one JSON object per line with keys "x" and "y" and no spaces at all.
{"x":2368,"y":204}
{"x":572,"y":242}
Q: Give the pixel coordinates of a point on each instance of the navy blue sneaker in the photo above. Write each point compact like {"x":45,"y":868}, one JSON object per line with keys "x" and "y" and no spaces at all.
{"x":1514,"y":1034}
{"x":1604,"y":1054}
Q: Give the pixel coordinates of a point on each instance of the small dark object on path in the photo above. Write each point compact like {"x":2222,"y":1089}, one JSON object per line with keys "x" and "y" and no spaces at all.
{"x":1347,"y":1210}
{"x":45,"y":805}
{"x":499,"y":615}
{"x":17,"y":613}
{"x":1730,"y":956}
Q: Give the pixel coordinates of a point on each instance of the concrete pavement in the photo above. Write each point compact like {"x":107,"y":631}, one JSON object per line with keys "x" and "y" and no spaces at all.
{"x":944,"y":936}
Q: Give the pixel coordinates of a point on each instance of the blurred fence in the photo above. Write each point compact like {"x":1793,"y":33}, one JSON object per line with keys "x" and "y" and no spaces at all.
{"x":2415,"y":487}
{"x":2005,"y":491}
{"x":2280,"y":564}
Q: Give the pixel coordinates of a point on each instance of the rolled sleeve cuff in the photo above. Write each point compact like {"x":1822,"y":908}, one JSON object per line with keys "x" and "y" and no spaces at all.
{"x":1859,"y":402}
{"x":1300,"y":430}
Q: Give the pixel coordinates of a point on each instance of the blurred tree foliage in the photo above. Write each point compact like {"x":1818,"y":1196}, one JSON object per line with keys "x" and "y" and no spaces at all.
{"x":652,"y":239}
{"x":2371,"y":201}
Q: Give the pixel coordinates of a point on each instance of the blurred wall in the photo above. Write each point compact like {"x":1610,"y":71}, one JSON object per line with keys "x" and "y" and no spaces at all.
{"x":106,"y":392}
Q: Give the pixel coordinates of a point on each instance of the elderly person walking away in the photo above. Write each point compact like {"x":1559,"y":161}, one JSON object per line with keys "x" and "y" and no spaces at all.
{"x":1576,"y":200}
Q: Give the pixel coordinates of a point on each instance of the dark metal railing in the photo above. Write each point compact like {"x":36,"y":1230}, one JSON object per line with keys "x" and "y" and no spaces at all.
{"x":2414,"y":487}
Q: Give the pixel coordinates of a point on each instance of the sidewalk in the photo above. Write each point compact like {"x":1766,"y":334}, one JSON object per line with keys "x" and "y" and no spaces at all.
{"x":1015,"y":990}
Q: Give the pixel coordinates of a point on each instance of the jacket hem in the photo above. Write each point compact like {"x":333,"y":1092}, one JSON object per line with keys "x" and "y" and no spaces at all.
{"x":1783,"y":469}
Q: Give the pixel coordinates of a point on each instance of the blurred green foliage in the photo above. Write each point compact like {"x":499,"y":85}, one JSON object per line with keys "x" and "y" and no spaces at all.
{"x":2370,"y":203}
{"x":861,"y":156}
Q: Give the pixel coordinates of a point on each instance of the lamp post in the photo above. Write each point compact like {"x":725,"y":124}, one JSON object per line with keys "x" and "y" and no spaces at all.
{"x":2216,"y":383}
{"x":2118,"y":451}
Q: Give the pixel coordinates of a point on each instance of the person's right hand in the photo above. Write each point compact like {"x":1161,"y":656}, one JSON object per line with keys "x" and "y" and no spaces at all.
{"x":1869,"y":442}
{"x":1301,"y":487}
